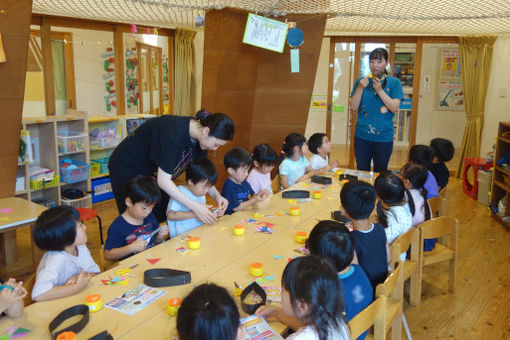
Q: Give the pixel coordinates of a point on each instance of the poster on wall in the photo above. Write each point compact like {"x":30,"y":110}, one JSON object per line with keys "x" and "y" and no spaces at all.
{"x":451,"y":95}
{"x":265,"y":33}
{"x":450,"y":64}
{"x":319,"y":103}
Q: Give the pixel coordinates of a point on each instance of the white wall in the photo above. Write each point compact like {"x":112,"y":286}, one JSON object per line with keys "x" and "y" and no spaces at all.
{"x":497,"y":108}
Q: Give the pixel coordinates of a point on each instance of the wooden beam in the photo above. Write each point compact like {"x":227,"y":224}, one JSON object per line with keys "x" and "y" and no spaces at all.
{"x":330,"y":87}
{"x":416,"y":92}
{"x":354,"y":115}
{"x":118,"y":50}
{"x":69,"y":67}
{"x":49,"y":86}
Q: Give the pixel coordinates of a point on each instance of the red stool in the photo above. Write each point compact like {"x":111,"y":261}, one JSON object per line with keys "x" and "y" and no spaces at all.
{"x":89,"y":213}
{"x":477,"y":164}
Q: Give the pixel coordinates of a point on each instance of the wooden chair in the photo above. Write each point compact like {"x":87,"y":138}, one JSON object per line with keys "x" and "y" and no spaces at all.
{"x":372,"y":315}
{"x":392,"y":289}
{"x":105,"y":264}
{"x":443,"y":193}
{"x":276,"y":184}
{"x":411,"y":239}
{"x":29,"y":286}
{"x":436,"y":206}
{"x":437,"y":228}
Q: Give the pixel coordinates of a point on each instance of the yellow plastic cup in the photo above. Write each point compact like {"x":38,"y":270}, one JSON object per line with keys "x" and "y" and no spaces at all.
{"x":194,"y":243}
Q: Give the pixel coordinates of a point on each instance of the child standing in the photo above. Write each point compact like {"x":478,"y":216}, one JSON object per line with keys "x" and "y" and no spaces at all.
{"x":264,"y":160}
{"x":443,"y":152}
{"x":372,"y":250}
{"x":396,"y":216}
{"x":67,"y":266}
{"x":332,"y":240}
{"x":128,"y":233}
{"x":295,"y":167}
{"x":312,"y":297}
{"x":209,"y":312}
{"x":200,"y":177}
{"x":423,"y":155}
{"x":320,"y":146}
{"x":236,"y":189}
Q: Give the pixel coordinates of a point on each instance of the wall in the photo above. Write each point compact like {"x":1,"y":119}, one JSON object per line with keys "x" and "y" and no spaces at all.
{"x":497,"y":108}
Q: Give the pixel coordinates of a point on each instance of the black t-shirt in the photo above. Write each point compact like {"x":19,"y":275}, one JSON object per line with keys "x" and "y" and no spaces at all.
{"x":372,"y":256}
{"x":441,"y":173}
{"x":162,"y":142}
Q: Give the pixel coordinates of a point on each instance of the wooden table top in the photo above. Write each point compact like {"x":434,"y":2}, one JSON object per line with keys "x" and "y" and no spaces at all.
{"x":16,"y":211}
{"x":223,"y":258}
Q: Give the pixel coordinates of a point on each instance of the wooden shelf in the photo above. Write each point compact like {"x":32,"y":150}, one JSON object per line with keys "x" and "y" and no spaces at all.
{"x":105,"y":148}
{"x":500,"y":220}
{"x":501,"y":185}
{"x":100,"y":176}
{"x":71,"y":153}
{"x":503,"y":139}
{"x":21,"y":192}
{"x":503,"y":170}
{"x":500,"y":189}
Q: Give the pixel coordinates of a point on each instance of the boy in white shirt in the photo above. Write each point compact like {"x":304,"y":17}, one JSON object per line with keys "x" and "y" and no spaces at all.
{"x":200,"y":176}
{"x":320,"y":146}
{"x":67,"y":266}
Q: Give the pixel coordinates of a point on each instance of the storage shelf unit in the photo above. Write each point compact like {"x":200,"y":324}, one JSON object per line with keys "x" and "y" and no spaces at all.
{"x":44,"y":136}
{"x":501,"y":178}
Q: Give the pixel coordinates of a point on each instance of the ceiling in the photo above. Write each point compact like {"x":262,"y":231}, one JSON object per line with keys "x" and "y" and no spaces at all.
{"x":345,"y":17}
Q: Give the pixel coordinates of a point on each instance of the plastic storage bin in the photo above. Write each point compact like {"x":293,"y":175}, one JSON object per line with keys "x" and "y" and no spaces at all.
{"x":73,"y":171}
{"x":42,"y":184}
{"x":95,"y":168}
{"x":83,"y":202}
{"x":71,"y":141}
{"x":103,"y":163}
{"x":101,"y":190}
{"x":109,"y":141}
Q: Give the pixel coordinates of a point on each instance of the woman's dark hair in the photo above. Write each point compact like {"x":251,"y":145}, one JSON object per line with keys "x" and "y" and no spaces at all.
{"x":143,"y":189}
{"x":391,"y":191}
{"x":417,"y":175}
{"x":314,"y":281}
{"x":292,"y":140}
{"x":236,"y":158}
{"x":220,"y":125}
{"x":315,"y":141}
{"x":199,"y":170}
{"x":378,"y":54}
{"x":332,"y":240}
{"x":358,"y":199}
{"x":443,"y":149}
{"x":55,"y":228}
{"x":264,"y":154}
{"x":421,"y":154}
{"x":208,"y":312}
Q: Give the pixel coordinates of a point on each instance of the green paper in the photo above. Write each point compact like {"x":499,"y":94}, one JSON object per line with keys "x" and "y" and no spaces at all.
{"x":338,"y":108}
{"x":294,"y":60}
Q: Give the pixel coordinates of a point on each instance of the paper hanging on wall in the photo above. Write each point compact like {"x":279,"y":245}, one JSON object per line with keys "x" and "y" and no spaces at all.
{"x":294,"y":60}
{"x":3,"y":59}
{"x":265,"y":33}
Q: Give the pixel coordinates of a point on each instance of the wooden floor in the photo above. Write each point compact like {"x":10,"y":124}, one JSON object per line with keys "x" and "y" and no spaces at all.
{"x":480,"y":308}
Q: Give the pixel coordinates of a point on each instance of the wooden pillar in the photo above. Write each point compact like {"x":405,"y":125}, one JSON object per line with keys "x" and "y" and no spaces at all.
{"x":118,"y":50}
{"x":49,"y":84}
{"x":416,"y":92}
{"x":15,"y":30}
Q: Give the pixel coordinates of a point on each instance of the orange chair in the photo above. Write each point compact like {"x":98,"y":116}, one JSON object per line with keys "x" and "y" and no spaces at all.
{"x":89,"y":213}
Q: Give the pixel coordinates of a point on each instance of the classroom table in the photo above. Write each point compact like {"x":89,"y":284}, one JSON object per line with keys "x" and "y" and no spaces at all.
{"x":16,"y":212}
{"x":222,"y":258}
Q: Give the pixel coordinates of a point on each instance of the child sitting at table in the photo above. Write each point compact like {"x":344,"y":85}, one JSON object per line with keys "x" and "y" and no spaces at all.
{"x":443,"y":152}
{"x":395,"y":215}
{"x":294,"y":167}
{"x":311,"y":301}
{"x":424,"y":155}
{"x":67,"y":266}
{"x":200,"y":176}
{"x":372,"y":250}
{"x":132,"y":231}
{"x":236,"y":189}
{"x":332,"y":240}
{"x":12,"y":294}
{"x":264,"y":160}
{"x":320,"y":146}
{"x":209,"y":312}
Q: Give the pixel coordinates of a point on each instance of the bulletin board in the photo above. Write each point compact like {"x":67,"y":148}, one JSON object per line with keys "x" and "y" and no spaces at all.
{"x":450,"y":92}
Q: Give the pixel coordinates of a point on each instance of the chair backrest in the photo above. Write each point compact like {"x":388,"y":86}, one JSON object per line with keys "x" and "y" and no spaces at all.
{"x":404,"y":241}
{"x":393,"y":286}
{"x":445,"y":196}
{"x":436,"y":205}
{"x":371,"y":315}
{"x":104,"y":263}
{"x":440,"y":226}
{"x":28,"y":284}
{"x":276,"y":184}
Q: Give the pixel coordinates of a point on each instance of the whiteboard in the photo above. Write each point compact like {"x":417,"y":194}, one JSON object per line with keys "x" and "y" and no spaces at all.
{"x":265,"y":33}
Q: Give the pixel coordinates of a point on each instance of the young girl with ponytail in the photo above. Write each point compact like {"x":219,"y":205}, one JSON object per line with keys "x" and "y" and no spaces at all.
{"x":312,"y":301}
{"x":294,"y":167}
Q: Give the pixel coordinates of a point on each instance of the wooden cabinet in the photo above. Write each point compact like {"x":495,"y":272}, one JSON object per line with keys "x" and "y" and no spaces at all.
{"x":55,"y":140}
{"x":500,"y":196}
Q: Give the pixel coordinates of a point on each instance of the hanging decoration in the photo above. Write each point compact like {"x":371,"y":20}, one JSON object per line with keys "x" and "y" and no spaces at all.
{"x":295,"y":38}
{"x":108,"y":61}
{"x":133,"y":29}
{"x":166,"y":98}
{"x":148,"y":31}
{"x":3,"y":59}
{"x":132,"y":94}
{"x":155,"y":31}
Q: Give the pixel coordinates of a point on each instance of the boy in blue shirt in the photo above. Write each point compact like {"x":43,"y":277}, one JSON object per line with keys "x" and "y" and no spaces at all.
{"x":332,"y":240}
{"x":236,"y":189}
{"x":200,"y":176}
{"x":372,"y":250}
{"x":130,"y":233}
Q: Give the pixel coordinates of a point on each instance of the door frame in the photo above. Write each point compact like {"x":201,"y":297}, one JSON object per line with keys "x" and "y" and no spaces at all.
{"x":391,"y":40}
{"x":159,"y":53}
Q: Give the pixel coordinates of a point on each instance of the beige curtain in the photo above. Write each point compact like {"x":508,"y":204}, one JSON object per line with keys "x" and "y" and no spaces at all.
{"x":185,"y":74}
{"x":476,"y":62}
